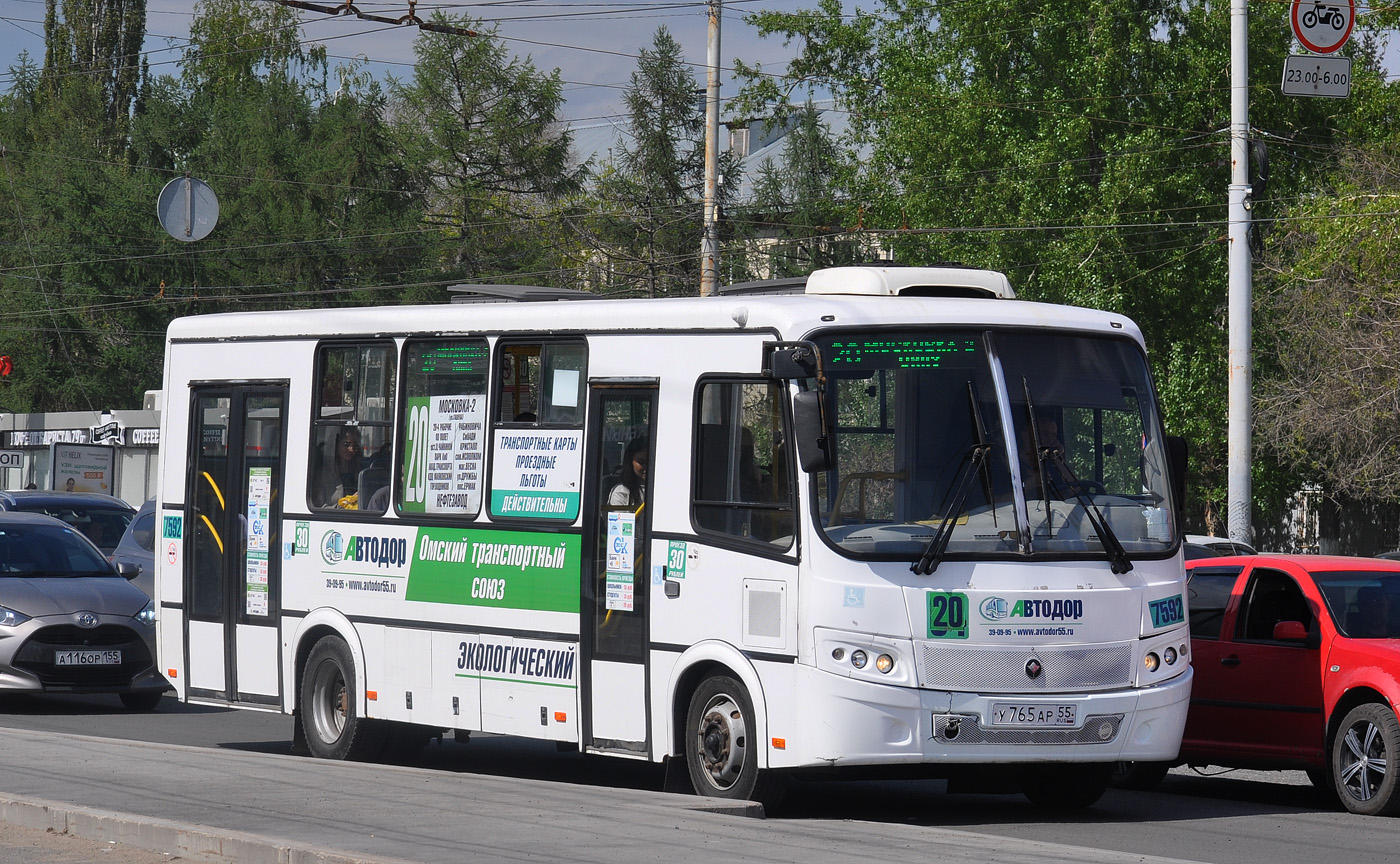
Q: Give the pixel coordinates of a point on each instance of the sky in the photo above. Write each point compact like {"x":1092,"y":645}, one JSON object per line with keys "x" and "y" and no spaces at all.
{"x":593,"y":44}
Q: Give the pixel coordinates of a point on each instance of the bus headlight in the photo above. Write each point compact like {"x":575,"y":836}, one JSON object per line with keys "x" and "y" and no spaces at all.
{"x":859,"y":658}
{"x":1151,"y":661}
{"x":884,"y":663}
{"x":1169,"y":655}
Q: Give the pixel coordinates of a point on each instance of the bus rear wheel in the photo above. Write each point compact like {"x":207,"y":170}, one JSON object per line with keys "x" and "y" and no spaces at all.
{"x":721,"y":750}
{"x":329,"y":716}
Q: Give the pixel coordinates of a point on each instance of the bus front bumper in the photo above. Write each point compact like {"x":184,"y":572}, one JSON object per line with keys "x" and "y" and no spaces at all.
{"x":849,"y":722}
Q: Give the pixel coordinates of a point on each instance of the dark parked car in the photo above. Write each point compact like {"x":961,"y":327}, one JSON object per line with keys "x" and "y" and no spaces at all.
{"x":1220,"y":545}
{"x":137,"y":547}
{"x":102,"y":518}
{"x":1297,"y":666}
{"x":70,"y":621}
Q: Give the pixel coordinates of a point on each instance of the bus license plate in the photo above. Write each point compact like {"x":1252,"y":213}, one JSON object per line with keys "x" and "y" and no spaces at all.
{"x":1029,"y":714}
{"x":112,"y":657}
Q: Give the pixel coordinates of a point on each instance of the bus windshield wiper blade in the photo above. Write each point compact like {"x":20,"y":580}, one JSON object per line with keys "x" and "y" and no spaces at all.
{"x":1117,"y":555}
{"x":972,"y":459}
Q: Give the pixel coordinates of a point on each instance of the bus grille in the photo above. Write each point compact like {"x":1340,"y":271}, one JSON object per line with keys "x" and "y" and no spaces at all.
{"x":1003,"y":670}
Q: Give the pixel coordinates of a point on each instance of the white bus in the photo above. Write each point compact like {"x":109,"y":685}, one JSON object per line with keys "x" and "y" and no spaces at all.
{"x":881,"y":518}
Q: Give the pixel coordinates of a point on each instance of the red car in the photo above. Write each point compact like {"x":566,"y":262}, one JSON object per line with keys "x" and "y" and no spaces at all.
{"x":1297,"y":661}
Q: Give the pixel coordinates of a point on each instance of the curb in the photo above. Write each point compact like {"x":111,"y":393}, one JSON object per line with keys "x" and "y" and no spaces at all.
{"x":203,"y":843}
{"x":191,"y":842}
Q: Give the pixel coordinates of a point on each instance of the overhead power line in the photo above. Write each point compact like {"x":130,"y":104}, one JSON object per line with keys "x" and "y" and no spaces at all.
{"x":348,"y":8}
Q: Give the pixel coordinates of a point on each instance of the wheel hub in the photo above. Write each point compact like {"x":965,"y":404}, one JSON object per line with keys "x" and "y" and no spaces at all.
{"x":722,"y":738}
{"x":1364,"y":763}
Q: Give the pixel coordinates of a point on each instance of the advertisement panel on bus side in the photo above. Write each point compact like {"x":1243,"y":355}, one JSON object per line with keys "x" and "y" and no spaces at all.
{"x":525,"y":570}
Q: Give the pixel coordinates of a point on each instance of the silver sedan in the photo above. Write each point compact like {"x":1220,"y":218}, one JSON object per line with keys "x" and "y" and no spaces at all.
{"x":70,"y":621}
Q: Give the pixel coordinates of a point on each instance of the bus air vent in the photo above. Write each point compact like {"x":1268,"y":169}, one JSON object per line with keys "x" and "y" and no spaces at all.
{"x":764,"y":609}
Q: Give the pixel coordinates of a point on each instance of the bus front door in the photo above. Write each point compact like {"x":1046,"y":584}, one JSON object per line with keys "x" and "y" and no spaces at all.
{"x":616,"y":573}
{"x":232,"y":649}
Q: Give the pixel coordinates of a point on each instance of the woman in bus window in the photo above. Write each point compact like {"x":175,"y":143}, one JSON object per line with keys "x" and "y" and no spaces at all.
{"x":341,"y":480}
{"x":631,"y":486}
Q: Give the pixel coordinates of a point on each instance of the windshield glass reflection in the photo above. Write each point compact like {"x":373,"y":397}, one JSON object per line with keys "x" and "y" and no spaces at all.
{"x":964,"y":427}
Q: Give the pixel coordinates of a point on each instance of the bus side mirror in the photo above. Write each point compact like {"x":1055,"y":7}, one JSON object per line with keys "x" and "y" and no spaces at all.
{"x":1176,"y":463}
{"x":813,"y":443}
{"x":789,"y":361}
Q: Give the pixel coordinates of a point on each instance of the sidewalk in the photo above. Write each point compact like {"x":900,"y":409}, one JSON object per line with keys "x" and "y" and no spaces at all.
{"x":254,"y":808}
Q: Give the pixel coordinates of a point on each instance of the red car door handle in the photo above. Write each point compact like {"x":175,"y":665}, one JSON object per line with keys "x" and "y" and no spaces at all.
{"x":1232,"y":660}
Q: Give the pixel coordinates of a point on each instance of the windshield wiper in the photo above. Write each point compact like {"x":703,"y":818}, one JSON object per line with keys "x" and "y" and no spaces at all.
{"x":1117,"y":556}
{"x":974,"y":459}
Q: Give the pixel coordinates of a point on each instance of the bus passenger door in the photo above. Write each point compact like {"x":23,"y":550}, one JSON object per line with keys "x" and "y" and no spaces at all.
{"x":616,"y":572}
{"x":233,"y":553}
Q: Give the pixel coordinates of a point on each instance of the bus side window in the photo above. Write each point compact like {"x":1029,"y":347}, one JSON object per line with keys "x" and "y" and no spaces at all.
{"x":542,"y":384}
{"x":352,"y":432}
{"x":743,"y":477}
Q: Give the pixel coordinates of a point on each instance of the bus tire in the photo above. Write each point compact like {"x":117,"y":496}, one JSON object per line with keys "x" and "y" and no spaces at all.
{"x":1065,"y":786}
{"x":721,"y":751}
{"x":1366,"y":760}
{"x":1141,"y":776}
{"x":329,"y":713}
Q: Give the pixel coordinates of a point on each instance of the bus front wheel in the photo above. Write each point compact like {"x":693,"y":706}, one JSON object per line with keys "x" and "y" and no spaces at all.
{"x":721,"y":748}
{"x":329,"y":716}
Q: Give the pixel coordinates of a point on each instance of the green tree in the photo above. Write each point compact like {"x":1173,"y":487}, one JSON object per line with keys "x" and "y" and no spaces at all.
{"x":1081,"y":147}
{"x":316,"y":207}
{"x":96,"y":44}
{"x":794,"y":223}
{"x":1329,"y":398}
{"x":480,"y":130}
{"x":69,"y":189}
{"x":647,"y":223}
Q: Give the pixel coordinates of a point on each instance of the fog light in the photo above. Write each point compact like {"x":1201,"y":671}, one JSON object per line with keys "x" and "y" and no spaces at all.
{"x":884,"y":663}
{"x":1151,"y":661}
{"x":1169,"y":655}
{"x":1105,"y":731}
{"x":838,"y":654}
{"x":859,"y":659}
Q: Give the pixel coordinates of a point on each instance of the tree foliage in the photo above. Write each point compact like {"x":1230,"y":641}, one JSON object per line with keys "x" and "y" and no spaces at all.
{"x":646,"y":222}
{"x":330,"y":191}
{"x":1330,"y":401}
{"x":479,"y":131}
{"x":1080,"y":147}
{"x":795,"y":222}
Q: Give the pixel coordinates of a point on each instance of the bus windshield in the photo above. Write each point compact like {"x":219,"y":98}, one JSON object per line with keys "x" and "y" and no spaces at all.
{"x":1014,"y":442}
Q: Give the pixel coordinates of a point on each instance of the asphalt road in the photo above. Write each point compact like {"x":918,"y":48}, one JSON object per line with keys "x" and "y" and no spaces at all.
{"x":1225,"y":819}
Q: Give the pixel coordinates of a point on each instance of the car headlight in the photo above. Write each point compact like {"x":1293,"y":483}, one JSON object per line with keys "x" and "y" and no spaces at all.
{"x":148,"y":614}
{"x":11,"y":618}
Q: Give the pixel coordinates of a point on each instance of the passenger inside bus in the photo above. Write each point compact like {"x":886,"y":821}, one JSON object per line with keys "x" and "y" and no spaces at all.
{"x":340,"y":473}
{"x":630,"y":487}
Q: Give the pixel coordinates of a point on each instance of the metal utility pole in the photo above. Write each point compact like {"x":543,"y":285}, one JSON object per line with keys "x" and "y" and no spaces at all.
{"x":709,"y":243}
{"x":1241,"y":274}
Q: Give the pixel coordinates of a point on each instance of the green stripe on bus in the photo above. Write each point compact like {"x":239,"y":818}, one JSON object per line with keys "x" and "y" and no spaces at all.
{"x":499,"y":569}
